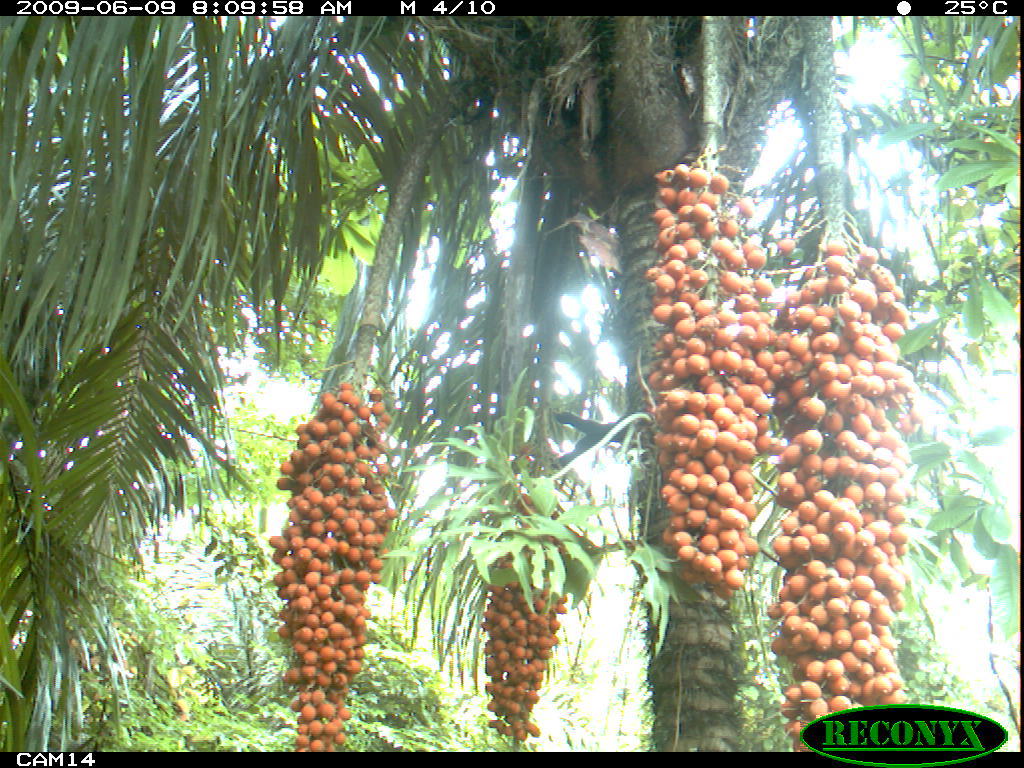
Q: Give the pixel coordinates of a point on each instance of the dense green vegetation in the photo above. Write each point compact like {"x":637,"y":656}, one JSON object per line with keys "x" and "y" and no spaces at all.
{"x":203,"y":232}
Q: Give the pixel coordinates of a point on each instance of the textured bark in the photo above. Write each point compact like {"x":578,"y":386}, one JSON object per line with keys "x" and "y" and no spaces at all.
{"x":650,"y":120}
{"x":825,"y":122}
{"x":714,"y":34}
{"x":399,"y":202}
{"x":763,"y":70}
{"x":517,"y":293}
{"x":691,"y":679}
{"x":637,"y":330}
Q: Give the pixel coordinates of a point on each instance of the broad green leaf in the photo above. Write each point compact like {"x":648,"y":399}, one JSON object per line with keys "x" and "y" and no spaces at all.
{"x":528,"y":419}
{"x":984,"y":543}
{"x":1012,"y":191}
{"x":918,"y":337}
{"x":1004,"y":59}
{"x":652,"y":565}
{"x":1005,"y":175}
{"x":478,"y":450}
{"x":650,"y":559}
{"x":483,"y":555}
{"x":1006,"y":142}
{"x":973,"y":145}
{"x":967,"y":174}
{"x":955,"y":511}
{"x":1005,"y":590}
{"x":539,"y":563}
{"x":956,"y":552}
{"x":929,"y":455}
{"x":495,"y":454}
{"x":542,"y":492}
{"x":981,"y":472}
{"x":991,"y":437}
{"x":499,"y":577}
{"x":905,"y":132}
{"x":579,"y":514}
{"x":974,"y":322}
{"x":557,"y":573}
{"x":581,"y":556}
{"x":547,"y":527}
{"x":523,"y":571}
{"x":998,"y":309}
{"x":997,"y":522}
{"x":339,"y":274}
{"x":577,"y":580}
{"x":363,"y":247}
{"x":472,"y":473}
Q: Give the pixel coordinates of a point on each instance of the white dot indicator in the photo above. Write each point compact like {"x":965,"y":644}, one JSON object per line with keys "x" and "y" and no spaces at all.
{"x":903,"y":8}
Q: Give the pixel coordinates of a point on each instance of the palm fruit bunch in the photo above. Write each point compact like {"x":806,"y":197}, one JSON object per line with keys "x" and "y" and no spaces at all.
{"x":709,"y":377}
{"x":329,"y":555}
{"x":520,"y":638}
{"x":841,"y":469}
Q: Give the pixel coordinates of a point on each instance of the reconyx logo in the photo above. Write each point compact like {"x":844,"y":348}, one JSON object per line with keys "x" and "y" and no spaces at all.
{"x":904,"y":734}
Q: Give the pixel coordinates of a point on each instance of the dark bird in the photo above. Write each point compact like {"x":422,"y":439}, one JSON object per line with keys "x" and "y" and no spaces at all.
{"x":593,"y":432}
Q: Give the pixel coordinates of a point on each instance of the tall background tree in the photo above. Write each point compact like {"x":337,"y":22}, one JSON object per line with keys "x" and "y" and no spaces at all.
{"x":216,"y":158}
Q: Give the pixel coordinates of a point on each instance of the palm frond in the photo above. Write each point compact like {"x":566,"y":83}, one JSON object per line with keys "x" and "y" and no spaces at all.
{"x":155,"y":170}
{"x":124,"y":425}
{"x":137,"y":137}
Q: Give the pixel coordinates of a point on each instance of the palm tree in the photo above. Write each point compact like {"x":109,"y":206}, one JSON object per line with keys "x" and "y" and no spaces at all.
{"x":586,"y":110}
{"x":152,"y":184}
{"x":159,"y":170}
{"x":581,"y":112}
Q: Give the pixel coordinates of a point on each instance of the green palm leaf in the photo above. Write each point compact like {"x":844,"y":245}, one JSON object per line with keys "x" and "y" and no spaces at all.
{"x":154,"y":171}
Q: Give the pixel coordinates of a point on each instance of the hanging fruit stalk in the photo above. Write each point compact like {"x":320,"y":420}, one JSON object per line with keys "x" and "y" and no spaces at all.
{"x":329,"y":555}
{"x":709,"y":377}
{"x":841,"y":468}
{"x":831,"y":378}
{"x":521,"y":637}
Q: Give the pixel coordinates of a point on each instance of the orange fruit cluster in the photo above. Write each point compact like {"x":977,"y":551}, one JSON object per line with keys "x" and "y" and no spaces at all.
{"x":520,"y":639}
{"x":841,"y":468}
{"x":709,"y":375}
{"x":329,"y":555}
{"x":825,"y":368}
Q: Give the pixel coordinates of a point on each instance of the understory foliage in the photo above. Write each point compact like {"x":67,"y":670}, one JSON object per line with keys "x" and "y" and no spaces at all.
{"x":202,"y":664}
{"x":947,"y":194}
{"x":175,"y":186}
{"x":156,"y":169}
{"x":400,"y":703}
{"x":199,"y":672}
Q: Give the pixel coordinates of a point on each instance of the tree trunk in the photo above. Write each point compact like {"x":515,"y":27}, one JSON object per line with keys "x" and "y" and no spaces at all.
{"x":692,"y":679}
{"x":692,"y":676}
